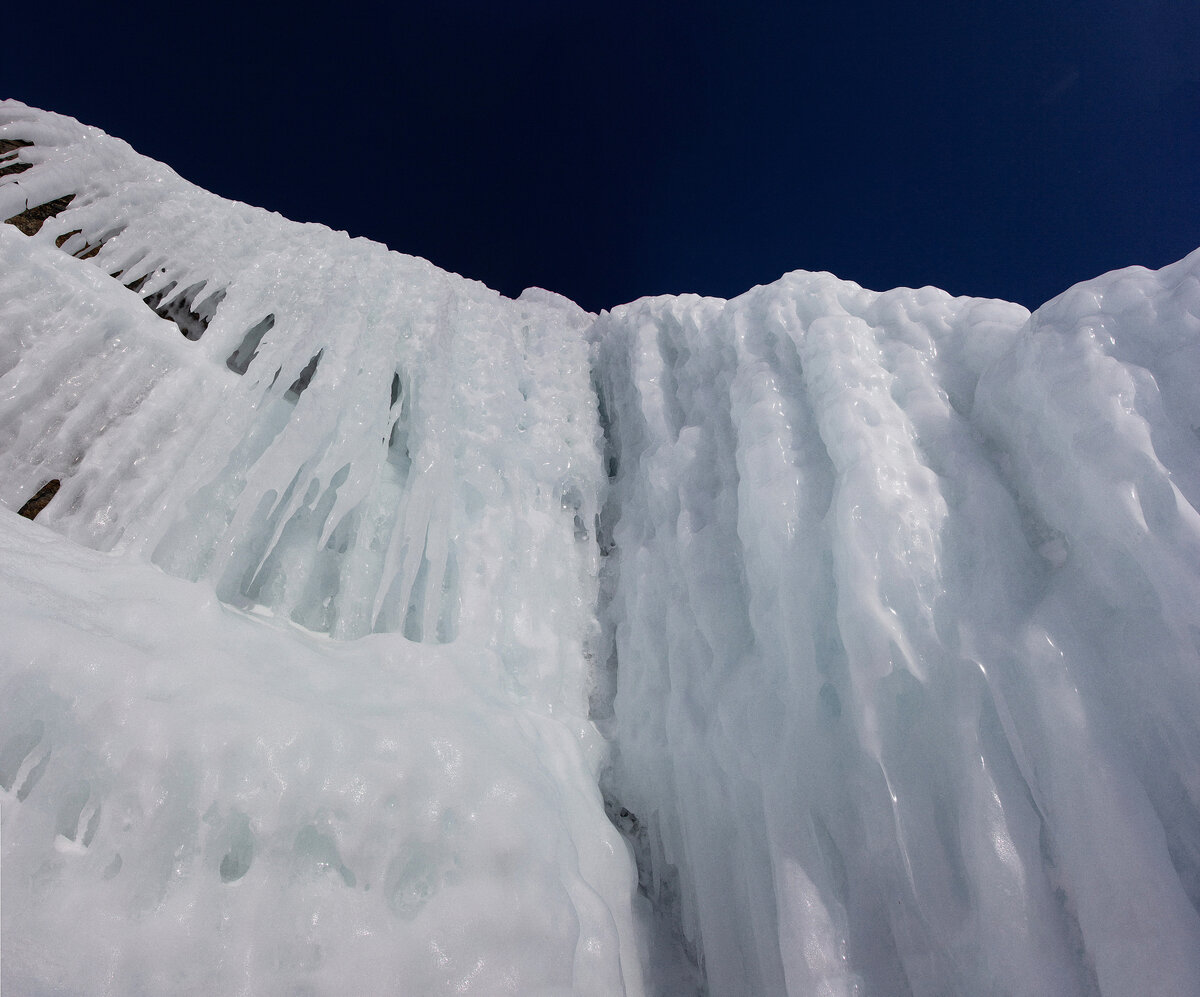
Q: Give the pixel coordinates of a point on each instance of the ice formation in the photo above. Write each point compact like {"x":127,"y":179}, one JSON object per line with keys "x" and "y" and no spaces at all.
{"x":389,"y":635}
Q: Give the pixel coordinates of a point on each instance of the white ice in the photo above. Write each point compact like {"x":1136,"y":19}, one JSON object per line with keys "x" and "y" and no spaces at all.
{"x":373,"y":604}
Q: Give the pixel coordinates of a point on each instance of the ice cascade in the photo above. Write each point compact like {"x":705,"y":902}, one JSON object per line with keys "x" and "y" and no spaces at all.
{"x":389,"y":635}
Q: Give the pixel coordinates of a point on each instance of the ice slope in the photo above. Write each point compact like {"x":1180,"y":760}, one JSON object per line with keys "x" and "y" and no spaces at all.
{"x":879,"y":633}
{"x":197,"y":801}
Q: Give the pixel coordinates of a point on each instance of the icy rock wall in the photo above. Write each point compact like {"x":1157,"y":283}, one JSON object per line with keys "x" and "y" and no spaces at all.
{"x":348,"y":436}
{"x":902,"y":594}
{"x":319,"y":438}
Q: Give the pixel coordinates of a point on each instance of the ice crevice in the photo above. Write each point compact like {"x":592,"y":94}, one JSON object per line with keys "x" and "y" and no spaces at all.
{"x":820,"y":640}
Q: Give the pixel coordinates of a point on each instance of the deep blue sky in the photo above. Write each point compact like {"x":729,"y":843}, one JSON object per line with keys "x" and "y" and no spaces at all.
{"x":613,"y":150}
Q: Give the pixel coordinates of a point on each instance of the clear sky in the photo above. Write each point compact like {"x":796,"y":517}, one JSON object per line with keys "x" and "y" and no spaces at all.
{"x":608,"y":151}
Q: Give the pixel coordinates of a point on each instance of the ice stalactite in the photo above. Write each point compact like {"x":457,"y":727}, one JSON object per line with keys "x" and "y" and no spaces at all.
{"x":312,"y":484}
{"x":903,"y":605}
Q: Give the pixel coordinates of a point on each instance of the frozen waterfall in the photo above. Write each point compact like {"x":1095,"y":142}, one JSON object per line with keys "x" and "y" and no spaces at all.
{"x":385,"y":635}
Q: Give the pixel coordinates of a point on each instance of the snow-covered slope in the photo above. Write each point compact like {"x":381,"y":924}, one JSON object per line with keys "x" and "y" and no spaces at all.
{"x":873,"y":615}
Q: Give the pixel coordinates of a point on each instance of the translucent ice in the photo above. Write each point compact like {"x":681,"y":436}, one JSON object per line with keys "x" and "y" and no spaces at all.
{"x":903,"y":598}
{"x":320,"y":439}
{"x":869,"y":620}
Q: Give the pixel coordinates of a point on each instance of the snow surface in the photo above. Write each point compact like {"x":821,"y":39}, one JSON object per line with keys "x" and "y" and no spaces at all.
{"x":374,"y":605}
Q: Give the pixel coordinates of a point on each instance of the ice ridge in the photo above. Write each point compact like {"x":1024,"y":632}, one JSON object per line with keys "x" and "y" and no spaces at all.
{"x":869,"y":618}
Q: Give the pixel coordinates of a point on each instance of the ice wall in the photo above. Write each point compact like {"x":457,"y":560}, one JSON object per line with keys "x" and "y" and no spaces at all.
{"x":321,"y":439}
{"x":344,"y":434}
{"x":874,"y":616}
{"x":903,"y":608}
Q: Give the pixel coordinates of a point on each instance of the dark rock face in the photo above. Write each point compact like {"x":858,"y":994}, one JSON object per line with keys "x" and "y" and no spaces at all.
{"x":40,"y":500}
